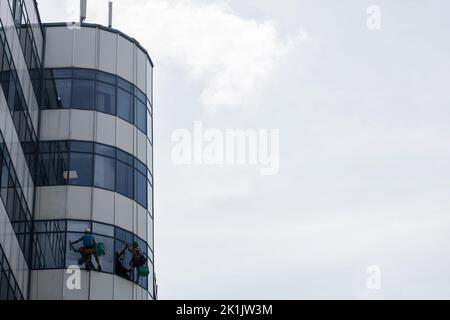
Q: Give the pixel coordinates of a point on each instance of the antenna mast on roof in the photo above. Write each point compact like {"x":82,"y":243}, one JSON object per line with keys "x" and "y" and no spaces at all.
{"x":110,"y":14}
{"x":83,"y":10}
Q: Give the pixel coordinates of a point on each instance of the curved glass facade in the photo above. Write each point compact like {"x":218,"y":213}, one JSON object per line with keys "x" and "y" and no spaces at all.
{"x":104,"y":157}
{"x":91,"y":164}
{"x":57,"y":236}
{"x":87,"y":89}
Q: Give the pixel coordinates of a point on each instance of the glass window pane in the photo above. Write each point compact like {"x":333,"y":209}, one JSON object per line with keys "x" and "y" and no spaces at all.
{"x":103,"y":229}
{"x":107,"y":259}
{"x":104,"y":173}
{"x":124,"y":179}
{"x":62,"y":73}
{"x":73,"y":255}
{"x":83,"y":74}
{"x":105,"y":150}
{"x":83,"y":94}
{"x":140,"y":194}
{"x":125,"y":85}
{"x":80,"y":172}
{"x":149,"y":197}
{"x":125,"y":105}
{"x":106,"y":98}
{"x":81,"y":146}
{"x":123,"y":255}
{"x":50,"y":226}
{"x":105,"y":77}
{"x":63,"y":90}
{"x":140,"y":95}
{"x":52,"y":246}
{"x":60,"y":146}
{"x":51,"y":99}
{"x":149,"y":126}
{"x":78,"y":226}
{"x":140,"y":166}
{"x":125,"y":157}
{"x":141,"y":116}
{"x":54,"y":168}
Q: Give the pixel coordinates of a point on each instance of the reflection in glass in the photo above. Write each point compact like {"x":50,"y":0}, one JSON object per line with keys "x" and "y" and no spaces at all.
{"x":107,"y":259}
{"x":104,"y":172}
{"x":106,"y":98}
{"x":140,"y":189}
{"x":104,"y":229}
{"x":80,"y":172}
{"x":83,"y":94}
{"x":124,"y":179}
{"x":125,"y":105}
{"x":64,"y":92}
{"x":77,"y":226}
{"x":141,"y":116}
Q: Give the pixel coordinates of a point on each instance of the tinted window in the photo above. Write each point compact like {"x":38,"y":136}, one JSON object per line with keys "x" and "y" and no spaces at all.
{"x":124,"y":179}
{"x":104,"y":172}
{"x":149,"y":126}
{"x":140,"y":189}
{"x":150,"y":196}
{"x":64,"y":91}
{"x":125,"y":85}
{"x":78,"y":226}
{"x":109,"y":78}
{"x":125,"y":105}
{"x":53,"y":247}
{"x":106,"y":98}
{"x":106,"y":260}
{"x":123,"y":256}
{"x":83,"y":73}
{"x":141,"y":116}
{"x":83,"y":94}
{"x":105,"y":150}
{"x":124,"y":157}
{"x":80,"y":172}
{"x":73,"y":255}
{"x":103,"y":229}
{"x":62,"y":73}
{"x":81,"y":146}
{"x":55,"y":168}
{"x":140,"y":95}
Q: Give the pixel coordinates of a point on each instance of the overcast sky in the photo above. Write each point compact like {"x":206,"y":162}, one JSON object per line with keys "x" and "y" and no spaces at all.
{"x":363,"y":115}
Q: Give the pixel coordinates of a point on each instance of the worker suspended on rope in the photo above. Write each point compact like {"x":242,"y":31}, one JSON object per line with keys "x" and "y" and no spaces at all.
{"x":90,"y":247}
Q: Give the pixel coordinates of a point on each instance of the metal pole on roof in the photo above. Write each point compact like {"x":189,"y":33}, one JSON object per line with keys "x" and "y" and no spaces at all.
{"x":83,"y":10}
{"x":110,"y":14}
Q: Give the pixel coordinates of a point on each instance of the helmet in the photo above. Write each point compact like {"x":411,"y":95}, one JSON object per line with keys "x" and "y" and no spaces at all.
{"x":87,"y":230}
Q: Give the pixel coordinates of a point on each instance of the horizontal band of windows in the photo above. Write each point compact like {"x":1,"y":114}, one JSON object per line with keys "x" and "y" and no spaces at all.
{"x":9,"y":288}
{"x":87,"y":89}
{"x":115,"y":250}
{"x":92,"y":164}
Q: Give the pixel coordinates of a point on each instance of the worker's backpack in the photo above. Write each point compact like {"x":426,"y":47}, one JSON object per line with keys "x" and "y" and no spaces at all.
{"x":143,"y":271}
{"x":100,"y":248}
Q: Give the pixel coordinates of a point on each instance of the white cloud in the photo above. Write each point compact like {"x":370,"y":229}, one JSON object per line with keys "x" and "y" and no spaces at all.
{"x":232,"y":57}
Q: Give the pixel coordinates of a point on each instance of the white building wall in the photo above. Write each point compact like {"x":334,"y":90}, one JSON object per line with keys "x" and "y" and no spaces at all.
{"x":94,"y":48}
{"x":46,"y":285}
